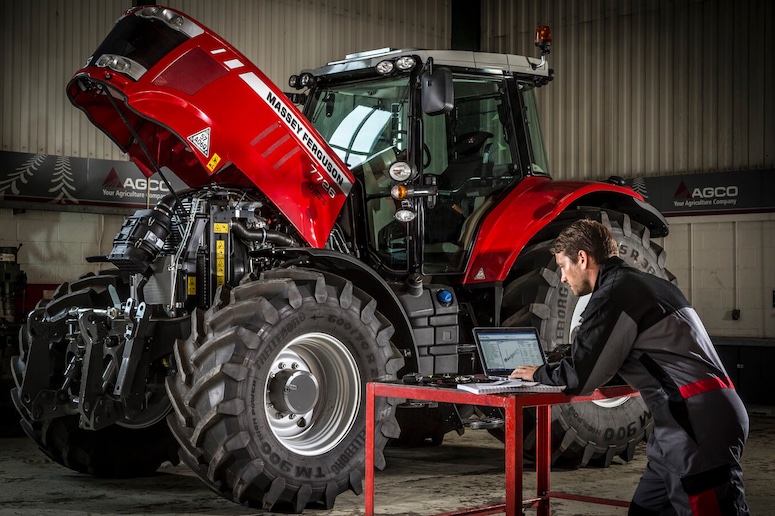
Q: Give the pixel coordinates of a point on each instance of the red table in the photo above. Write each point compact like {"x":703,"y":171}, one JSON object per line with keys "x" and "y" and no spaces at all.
{"x":513,"y":405}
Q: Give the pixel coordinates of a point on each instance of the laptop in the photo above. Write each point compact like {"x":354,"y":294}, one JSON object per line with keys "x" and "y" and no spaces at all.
{"x":501,"y":350}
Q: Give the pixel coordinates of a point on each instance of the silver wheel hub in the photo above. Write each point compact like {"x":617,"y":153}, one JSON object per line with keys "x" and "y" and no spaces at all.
{"x":294,"y":392}
{"x":312,"y":394}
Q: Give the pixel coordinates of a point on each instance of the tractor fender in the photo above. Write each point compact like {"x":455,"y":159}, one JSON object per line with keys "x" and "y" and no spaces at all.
{"x":534,"y":203}
{"x":366,"y":279}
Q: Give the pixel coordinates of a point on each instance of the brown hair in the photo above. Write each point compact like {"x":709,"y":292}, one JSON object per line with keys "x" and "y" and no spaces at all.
{"x":586,"y":235}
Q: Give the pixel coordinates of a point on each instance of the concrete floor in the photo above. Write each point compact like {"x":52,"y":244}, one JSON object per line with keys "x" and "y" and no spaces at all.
{"x":464,"y":472}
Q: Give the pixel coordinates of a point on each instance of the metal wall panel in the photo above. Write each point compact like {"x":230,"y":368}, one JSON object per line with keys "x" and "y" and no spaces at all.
{"x":649,"y":87}
{"x":45,"y":41}
{"x":725,"y":263}
{"x":283,"y":37}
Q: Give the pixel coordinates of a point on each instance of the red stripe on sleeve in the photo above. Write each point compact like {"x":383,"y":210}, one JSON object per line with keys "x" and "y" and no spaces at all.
{"x":708,"y":384}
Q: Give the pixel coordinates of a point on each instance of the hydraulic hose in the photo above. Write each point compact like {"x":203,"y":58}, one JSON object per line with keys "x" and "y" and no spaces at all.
{"x":263,"y":235}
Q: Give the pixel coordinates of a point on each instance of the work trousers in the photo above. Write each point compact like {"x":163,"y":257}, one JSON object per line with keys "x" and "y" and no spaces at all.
{"x":718,"y":492}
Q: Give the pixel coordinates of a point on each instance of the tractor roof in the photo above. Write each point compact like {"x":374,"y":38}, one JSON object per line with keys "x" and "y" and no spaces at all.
{"x":482,"y":61}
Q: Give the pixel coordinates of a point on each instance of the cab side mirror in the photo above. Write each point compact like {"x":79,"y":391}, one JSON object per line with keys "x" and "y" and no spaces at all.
{"x":438,"y":96}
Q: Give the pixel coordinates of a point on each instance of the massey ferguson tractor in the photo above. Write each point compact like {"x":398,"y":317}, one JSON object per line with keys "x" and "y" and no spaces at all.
{"x":354,"y":229}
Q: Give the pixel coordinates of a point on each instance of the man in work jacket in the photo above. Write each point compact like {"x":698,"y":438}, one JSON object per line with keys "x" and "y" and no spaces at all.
{"x":643,"y":328}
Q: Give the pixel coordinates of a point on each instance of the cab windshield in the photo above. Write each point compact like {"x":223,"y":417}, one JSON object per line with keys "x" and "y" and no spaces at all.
{"x":366,"y":124}
{"x":360,"y":120}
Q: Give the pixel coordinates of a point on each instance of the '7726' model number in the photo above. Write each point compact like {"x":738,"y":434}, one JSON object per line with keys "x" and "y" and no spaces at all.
{"x":317,"y":178}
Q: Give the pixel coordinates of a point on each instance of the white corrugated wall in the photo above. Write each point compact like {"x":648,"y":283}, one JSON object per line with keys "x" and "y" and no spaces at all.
{"x":43,"y":43}
{"x":649,"y":87}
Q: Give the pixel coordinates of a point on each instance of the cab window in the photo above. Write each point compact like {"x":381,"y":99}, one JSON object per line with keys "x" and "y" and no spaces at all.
{"x":366,"y":124}
{"x":471,"y":160}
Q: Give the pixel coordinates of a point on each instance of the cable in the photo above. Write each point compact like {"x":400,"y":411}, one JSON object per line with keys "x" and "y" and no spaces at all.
{"x":178,"y":204}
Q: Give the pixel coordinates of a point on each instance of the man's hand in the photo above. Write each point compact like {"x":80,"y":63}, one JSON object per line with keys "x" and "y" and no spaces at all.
{"x":524,"y":372}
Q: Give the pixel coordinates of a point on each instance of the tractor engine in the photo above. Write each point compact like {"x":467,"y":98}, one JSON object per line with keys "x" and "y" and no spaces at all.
{"x":187,"y":246}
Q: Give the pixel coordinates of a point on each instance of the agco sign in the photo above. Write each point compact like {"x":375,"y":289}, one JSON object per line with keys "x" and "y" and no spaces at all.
{"x":710,"y":192}
{"x":152,"y":185}
{"x":706,"y":196}
{"x":135,"y":188}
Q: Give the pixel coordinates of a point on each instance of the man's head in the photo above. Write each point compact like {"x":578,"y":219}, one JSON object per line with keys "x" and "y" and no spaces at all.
{"x":579,"y":250}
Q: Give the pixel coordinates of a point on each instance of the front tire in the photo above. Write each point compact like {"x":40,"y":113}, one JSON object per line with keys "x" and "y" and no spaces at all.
{"x":270,"y":390}
{"x":591,"y":433}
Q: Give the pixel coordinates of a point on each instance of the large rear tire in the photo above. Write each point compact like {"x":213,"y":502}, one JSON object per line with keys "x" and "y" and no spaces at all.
{"x":270,"y":390}
{"x":135,"y":449}
{"x":590,"y":433}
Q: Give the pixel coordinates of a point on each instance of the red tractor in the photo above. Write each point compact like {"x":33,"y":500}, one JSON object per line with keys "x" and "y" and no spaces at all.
{"x":358,"y":238}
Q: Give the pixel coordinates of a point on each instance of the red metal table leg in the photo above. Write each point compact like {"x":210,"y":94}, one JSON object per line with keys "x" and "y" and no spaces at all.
{"x":369,"y":487}
{"x":513,"y":457}
{"x":543,"y":457}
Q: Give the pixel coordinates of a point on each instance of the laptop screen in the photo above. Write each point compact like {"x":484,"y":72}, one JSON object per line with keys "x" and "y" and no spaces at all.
{"x":502,"y":350}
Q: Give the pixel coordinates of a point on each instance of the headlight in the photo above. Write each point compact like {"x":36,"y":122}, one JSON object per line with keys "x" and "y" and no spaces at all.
{"x":405,"y":63}
{"x":385,"y":67}
{"x":120,"y":64}
{"x":293,"y":81}
{"x":405,"y":215}
{"x":115,"y":63}
{"x":401,"y":171}
{"x":306,"y":80}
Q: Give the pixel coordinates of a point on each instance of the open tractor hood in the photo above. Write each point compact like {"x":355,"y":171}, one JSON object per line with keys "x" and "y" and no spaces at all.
{"x":171,"y":93}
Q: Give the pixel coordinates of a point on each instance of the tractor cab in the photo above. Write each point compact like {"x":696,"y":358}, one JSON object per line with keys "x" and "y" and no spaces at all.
{"x":436,"y":139}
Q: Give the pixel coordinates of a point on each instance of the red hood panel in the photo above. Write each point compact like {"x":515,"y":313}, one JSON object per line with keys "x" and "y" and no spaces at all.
{"x":206,"y":112}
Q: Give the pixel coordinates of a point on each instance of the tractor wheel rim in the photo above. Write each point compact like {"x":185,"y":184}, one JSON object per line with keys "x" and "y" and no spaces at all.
{"x":333,"y":384}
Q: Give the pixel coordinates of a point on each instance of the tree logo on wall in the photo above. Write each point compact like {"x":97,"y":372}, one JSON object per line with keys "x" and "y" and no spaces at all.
{"x":21,"y":175}
{"x":639,"y":185}
{"x":62,"y":181}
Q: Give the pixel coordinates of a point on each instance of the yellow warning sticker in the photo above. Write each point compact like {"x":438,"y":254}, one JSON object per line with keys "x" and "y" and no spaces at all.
{"x":191,"y":285}
{"x":213,"y":162}
{"x":220,"y":258}
{"x":221,"y":227}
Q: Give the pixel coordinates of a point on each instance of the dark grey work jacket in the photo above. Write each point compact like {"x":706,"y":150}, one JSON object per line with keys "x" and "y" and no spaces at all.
{"x":643,"y":328}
